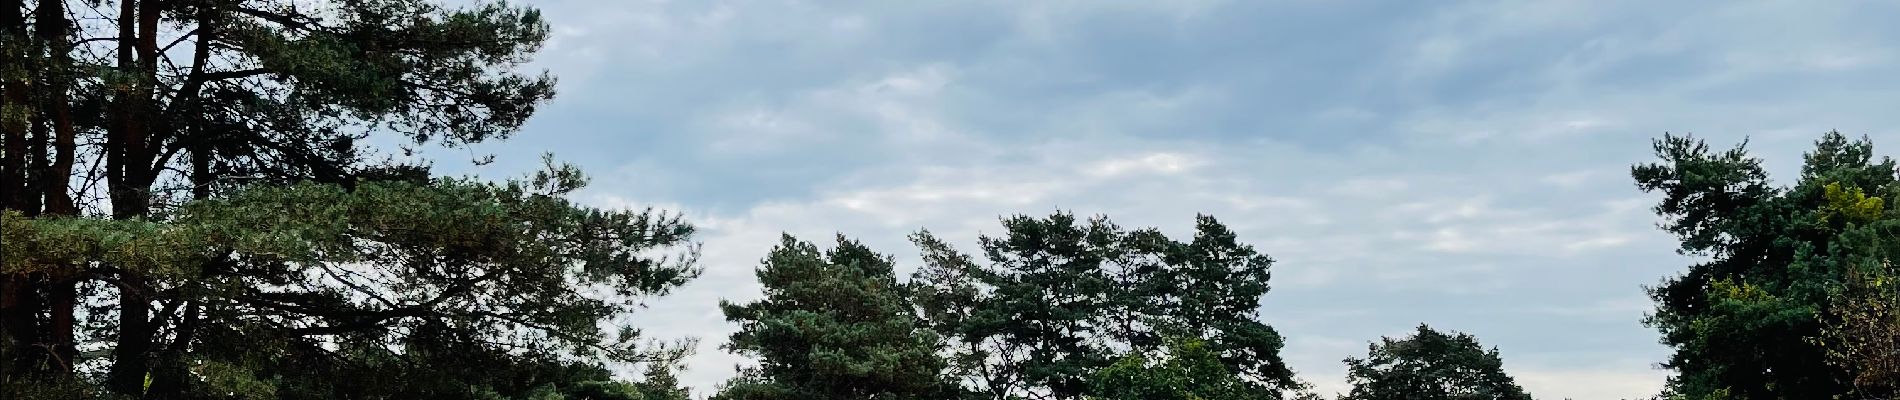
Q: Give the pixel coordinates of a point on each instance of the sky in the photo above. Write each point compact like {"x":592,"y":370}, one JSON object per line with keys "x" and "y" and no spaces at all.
{"x":1459,"y":163}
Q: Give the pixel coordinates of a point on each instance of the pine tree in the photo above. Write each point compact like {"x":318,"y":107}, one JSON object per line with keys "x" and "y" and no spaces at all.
{"x":832,"y":325}
{"x":1056,"y":300}
{"x":428,"y":289}
{"x":190,"y":101}
{"x":1743,"y":323}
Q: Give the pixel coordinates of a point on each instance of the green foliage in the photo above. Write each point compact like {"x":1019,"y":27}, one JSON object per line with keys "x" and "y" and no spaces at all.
{"x":1060,"y":299}
{"x":53,"y":390}
{"x":250,"y":222}
{"x":832,"y":325}
{"x":1862,"y":336}
{"x":1852,"y":205}
{"x":661,"y":384}
{"x":1743,"y":322}
{"x":420,"y":68}
{"x":1430,"y":365}
{"x":420,"y":287}
{"x":1188,"y":371}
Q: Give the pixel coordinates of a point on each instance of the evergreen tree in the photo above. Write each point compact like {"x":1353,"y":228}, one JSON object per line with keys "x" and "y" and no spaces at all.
{"x":1430,"y":365}
{"x":189,"y":104}
{"x":427,"y":290}
{"x":832,"y":325}
{"x":661,"y":384}
{"x":1743,"y":323}
{"x":1060,"y":299}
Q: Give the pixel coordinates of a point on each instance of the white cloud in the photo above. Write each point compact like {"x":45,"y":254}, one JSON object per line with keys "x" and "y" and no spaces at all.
{"x":1160,"y":163}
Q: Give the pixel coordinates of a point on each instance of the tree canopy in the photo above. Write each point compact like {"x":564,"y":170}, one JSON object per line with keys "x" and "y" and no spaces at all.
{"x":1743,"y":323}
{"x":1061,"y":298}
{"x":232,"y":236}
{"x":1430,"y":365}
{"x":1188,"y":370}
{"x":832,"y":325}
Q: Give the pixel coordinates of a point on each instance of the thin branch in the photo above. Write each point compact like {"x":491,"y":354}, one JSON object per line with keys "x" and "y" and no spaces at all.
{"x":181,"y":39}
{"x":245,"y":73}
{"x":287,"y":20}
{"x":76,"y":43}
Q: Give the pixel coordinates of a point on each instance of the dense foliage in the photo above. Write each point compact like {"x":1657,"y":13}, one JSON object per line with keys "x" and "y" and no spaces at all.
{"x":1188,"y":370}
{"x":1744,"y":323}
{"x":833,"y":325}
{"x":1430,"y":365}
{"x":1060,"y":298}
{"x":234,"y":239}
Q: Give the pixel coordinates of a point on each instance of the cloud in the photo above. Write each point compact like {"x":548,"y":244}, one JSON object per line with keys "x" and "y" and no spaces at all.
{"x":1158,"y":163}
{"x":1457,"y":163}
{"x":1324,"y":241}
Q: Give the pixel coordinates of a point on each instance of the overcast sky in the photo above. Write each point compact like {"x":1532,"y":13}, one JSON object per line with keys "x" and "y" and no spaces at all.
{"x":1463,"y":164}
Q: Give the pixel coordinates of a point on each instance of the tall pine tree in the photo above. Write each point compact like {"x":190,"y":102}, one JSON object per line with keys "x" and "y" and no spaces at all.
{"x":188,"y":106}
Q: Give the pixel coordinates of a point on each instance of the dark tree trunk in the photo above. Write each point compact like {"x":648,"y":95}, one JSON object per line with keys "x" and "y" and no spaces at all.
{"x":20,"y":333}
{"x":61,"y":298}
{"x":129,"y":178}
{"x":13,"y":95}
{"x":130,"y":358}
{"x":18,"y":301}
{"x":57,"y":36}
{"x":61,"y":286}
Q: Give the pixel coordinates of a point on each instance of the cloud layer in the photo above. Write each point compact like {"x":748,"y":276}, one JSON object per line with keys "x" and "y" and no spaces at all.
{"x":1462,"y":164}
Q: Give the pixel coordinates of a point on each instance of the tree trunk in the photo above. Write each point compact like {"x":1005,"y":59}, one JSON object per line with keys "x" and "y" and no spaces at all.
{"x":14,"y":101}
{"x":20,"y":333}
{"x":56,"y":176}
{"x":62,"y":295}
{"x":17,"y":303}
{"x":54,"y":32}
{"x":129,"y":183}
{"x":130,"y":358}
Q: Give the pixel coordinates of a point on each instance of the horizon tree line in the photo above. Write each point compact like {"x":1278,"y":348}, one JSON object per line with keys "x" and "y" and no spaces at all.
{"x":192,"y":211}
